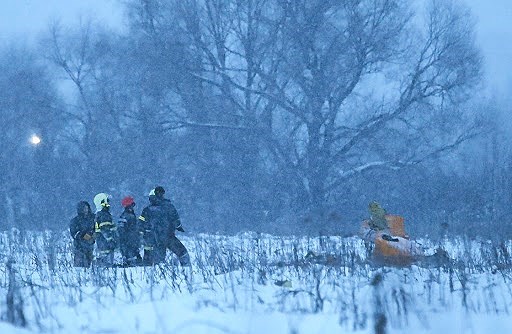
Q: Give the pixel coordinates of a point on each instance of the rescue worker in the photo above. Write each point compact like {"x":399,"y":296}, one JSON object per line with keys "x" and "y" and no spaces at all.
{"x":160,"y":220}
{"x":377,"y":220}
{"x":81,"y":229}
{"x":129,"y":233}
{"x":105,"y":231}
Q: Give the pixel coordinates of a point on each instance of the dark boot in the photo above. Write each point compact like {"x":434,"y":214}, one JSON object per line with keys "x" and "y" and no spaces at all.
{"x":185,"y":260}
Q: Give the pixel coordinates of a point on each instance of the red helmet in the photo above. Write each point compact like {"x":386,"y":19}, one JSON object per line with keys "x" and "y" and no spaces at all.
{"x":127,"y":201}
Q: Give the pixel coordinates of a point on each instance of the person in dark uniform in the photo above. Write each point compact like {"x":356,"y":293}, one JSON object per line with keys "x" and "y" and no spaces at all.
{"x":105,"y":231}
{"x":129,"y":233}
{"x":81,"y":229}
{"x":160,"y":221}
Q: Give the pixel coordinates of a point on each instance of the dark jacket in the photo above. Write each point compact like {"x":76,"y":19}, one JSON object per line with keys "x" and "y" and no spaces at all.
{"x":106,"y":231}
{"x":128,"y":230}
{"x":159,"y":221}
{"x":81,"y":228}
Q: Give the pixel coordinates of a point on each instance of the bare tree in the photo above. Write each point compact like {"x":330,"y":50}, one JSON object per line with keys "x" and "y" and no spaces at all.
{"x":326,"y":90}
{"x":90,"y":59}
{"x":333,"y":120}
{"x":29,"y":105}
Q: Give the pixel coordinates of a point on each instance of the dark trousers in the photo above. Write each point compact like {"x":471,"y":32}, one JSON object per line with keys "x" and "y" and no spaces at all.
{"x":105,"y":258}
{"x":82,"y":257}
{"x":130,"y":253}
{"x":157,"y":254}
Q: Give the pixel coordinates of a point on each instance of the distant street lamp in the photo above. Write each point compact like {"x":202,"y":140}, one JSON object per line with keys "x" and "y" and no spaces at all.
{"x":35,"y":140}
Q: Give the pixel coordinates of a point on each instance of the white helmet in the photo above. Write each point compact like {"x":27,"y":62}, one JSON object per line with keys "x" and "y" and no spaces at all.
{"x":101,"y":200}
{"x":158,"y":191}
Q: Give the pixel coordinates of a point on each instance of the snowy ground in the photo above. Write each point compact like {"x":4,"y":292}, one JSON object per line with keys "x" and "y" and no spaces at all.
{"x":254,"y":283}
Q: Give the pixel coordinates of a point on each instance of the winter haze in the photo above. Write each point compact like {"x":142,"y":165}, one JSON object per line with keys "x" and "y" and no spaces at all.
{"x":271,"y":125}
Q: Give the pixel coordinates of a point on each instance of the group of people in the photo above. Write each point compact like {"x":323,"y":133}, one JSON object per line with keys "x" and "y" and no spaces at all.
{"x":154,"y":230}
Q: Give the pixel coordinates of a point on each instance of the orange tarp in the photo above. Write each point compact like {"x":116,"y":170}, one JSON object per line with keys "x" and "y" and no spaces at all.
{"x":396,"y":225}
{"x":398,"y":252}
{"x":386,"y":252}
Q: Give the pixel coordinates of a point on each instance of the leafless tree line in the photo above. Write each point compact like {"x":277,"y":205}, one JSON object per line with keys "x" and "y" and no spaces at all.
{"x":250,"y":110}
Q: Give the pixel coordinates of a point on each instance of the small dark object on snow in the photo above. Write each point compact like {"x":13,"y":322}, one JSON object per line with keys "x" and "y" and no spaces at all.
{"x":285,"y":283}
{"x":387,"y":237}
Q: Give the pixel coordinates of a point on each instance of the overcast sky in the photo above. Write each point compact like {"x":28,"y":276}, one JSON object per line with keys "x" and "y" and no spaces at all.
{"x":29,"y":17}
{"x":25,"y":18}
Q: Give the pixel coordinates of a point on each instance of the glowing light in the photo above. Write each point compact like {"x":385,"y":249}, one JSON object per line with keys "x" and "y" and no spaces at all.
{"x":35,"y":140}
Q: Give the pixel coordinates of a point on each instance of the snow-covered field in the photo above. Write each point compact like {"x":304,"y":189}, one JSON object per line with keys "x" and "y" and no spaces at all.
{"x":252,"y":283}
